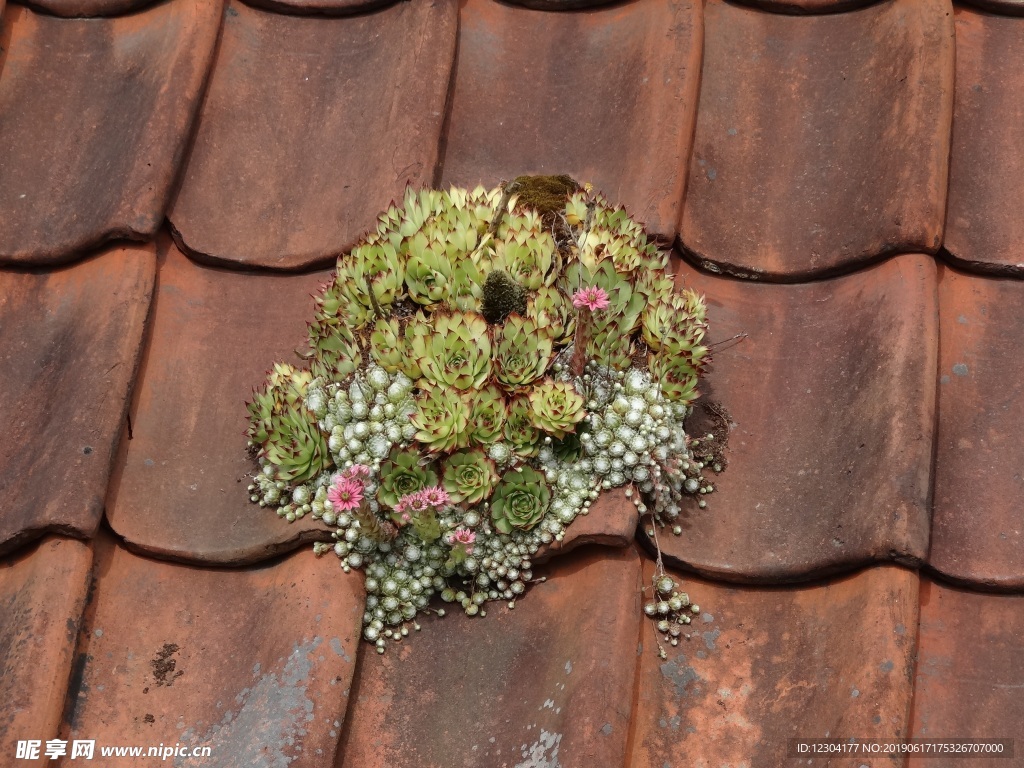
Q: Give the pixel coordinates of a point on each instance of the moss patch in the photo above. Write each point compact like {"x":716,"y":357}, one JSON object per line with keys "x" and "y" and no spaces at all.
{"x":545,"y":194}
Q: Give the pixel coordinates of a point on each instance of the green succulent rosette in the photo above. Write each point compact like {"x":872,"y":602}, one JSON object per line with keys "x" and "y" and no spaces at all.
{"x":520,"y":500}
{"x":403,"y":473}
{"x":441,"y":419}
{"x":556,"y":408}
{"x":458,"y":352}
{"x":469,"y":476}
{"x":522,"y":352}
{"x":295,"y":447}
{"x":488,"y":413}
{"x":519,"y":431}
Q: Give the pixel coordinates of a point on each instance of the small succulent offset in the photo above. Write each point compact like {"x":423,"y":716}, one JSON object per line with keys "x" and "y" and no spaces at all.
{"x":482,"y":366}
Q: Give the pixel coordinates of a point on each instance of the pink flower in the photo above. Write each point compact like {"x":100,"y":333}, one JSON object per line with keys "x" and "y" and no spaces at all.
{"x":591,"y":298}
{"x":463,"y":536}
{"x":345,"y":494}
{"x":356,"y":471}
{"x":436,"y":496}
{"x":412,"y":502}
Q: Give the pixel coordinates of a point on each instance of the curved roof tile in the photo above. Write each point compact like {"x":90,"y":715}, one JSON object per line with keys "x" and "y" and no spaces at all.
{"x":978,"y":520}
{"x":100,"y":111}
{"x":832,"y":399}
{"x":984,"y":229}
{"x":607,"y":96}
{"x":309,"y":128}
{"x":42,"y":593}
{"x":811,"y":133}
{"x":254,"y":664}
{"x":761,"y":666}
{"x":66,"y":375}
{"x":545,"y":684}
{"x":179,"y":486}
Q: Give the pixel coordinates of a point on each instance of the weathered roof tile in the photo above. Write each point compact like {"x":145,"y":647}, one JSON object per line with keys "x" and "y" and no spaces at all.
{"x":607,"y":96}
{"x":766,"y":665}
{"x":42,"y":594}
{"x":549,"y":683}
{"x":805,"y":7}
{"x":87,"y":8}
{"x":970,"y":669}
{"x":180,"y":487}
{"x":832,"y":398}
{"x":611,"y":522}
{"x":254,"y":663}
{"x":68,"y":353}
{"x":984,"y":229}
{"x":321,"y":7}
{"x":100,"y":111}
{"x":810,"y":133}
{"x":978,"y":518}
{"x":310,"y":128}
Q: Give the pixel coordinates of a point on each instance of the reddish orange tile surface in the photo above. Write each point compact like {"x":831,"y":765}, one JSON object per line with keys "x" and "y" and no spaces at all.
{"x":42,"y":593}
{"x":180,"y":491}
{"x":978,"y":521}
{"x":69,"y":349}
{"x":832,"y":400}
{"x":986,"y":177}
{"x":611,"y":522}
{"x":560,"y":5}
{"x":99,"y":111}
{"x":254,"y":663}
{"x":801,"y":7}
{"x":970,"y":671}
{"x":548,"y":683}
{"x":607,"y":96}
{"x":812,"y":132}
{"x":324,"y":7}
{"x":1007,"y":7}
{"x":309,"y":129}
{"x":87,"y":8}
{"x":763,"y":666}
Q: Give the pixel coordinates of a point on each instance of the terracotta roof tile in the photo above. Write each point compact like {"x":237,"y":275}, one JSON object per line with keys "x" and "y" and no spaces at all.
{"x":549,"y":683}
{"x":321,"y":7}
{"x":607,"y":96}
{"x":611,"y":521}
{"x":1007,"y":7}
{"x":765,"y":665}
{"x":829,"y":466}
{"x":803,"y":7}
{"x":810,"y":134}
{"x":100,"y":111}
{"x":42,"y":593}
{"x":977,"y":524}
{"x":65,"y":377}
{"x":180,"y":485}
{"x":254,"y":663}
{"x":560,"y":5}
{"x":970,"y":669}
{"x":986,"y":174}
{"x":87,"y":8}
{"x":310,"y":126}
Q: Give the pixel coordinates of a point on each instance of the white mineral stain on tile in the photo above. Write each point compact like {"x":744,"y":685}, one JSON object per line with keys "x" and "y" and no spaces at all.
{"x":543,"y":753}
{"x":264,"y":729}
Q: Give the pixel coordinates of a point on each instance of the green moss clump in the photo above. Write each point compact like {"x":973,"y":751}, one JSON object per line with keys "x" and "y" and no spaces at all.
{"x":545,"y":194}
{"x":502,"y":296}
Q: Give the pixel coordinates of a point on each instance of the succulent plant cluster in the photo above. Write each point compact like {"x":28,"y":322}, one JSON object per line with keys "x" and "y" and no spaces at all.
{"x":478,"y":371}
